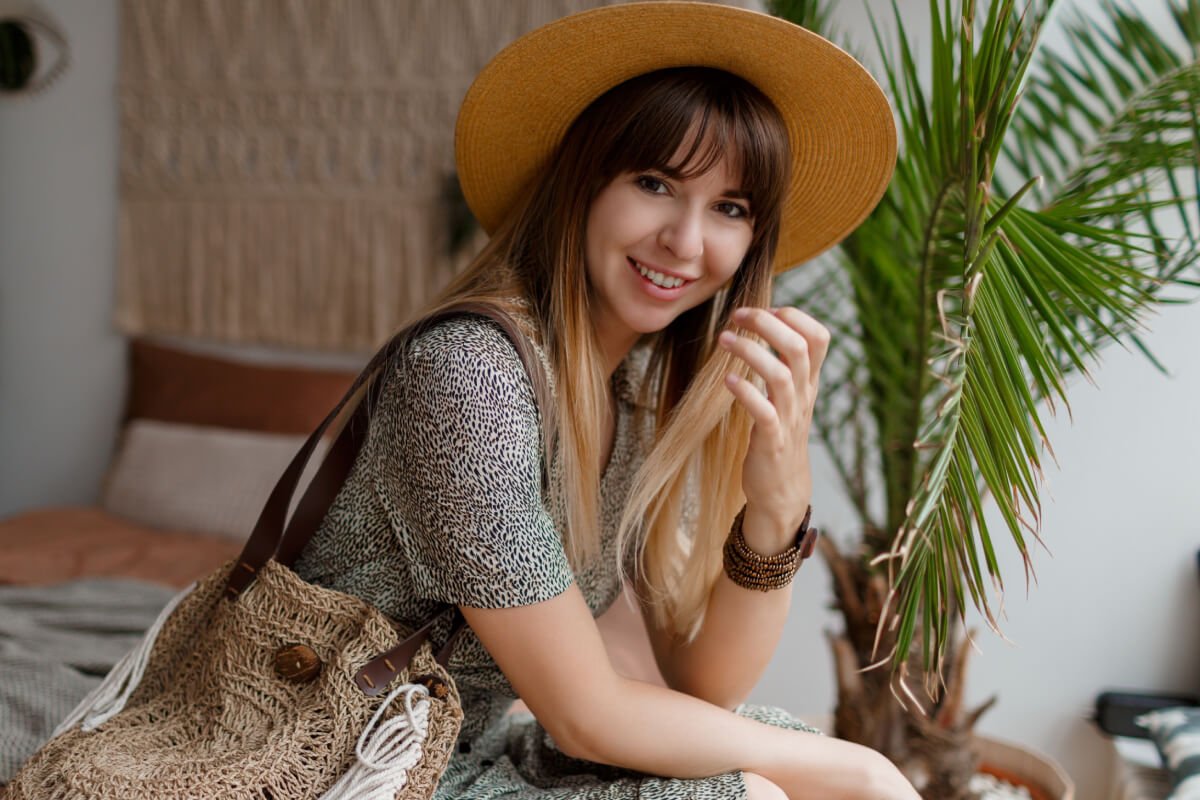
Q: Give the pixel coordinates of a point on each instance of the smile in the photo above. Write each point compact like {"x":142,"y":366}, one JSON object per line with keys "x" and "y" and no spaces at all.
{"x":656,"y":278}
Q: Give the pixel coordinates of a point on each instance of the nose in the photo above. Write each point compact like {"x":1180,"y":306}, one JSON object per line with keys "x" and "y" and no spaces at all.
{"x":683,"y":234}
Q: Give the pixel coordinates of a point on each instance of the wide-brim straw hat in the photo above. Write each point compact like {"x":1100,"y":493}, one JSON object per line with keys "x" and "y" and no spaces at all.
{"x":840,"y":125}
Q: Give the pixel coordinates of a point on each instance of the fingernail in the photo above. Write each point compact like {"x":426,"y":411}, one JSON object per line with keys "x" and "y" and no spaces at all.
{"x":741,"y":314}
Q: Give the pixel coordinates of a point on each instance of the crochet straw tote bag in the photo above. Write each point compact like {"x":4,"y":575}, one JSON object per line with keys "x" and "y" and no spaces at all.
{"x":256,"y":684}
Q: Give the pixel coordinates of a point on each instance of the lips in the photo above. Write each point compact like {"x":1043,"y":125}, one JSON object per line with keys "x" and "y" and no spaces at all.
{"x":638,"y":265}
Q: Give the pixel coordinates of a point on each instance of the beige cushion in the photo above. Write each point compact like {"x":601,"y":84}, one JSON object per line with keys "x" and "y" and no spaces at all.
{"x":199,"y":479}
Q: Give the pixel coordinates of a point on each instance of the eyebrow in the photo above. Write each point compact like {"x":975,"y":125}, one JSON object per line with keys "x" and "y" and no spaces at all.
{"x":675,"y":174}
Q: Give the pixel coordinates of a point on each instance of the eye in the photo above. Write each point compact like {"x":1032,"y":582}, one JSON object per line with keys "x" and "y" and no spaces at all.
{"x":35,"y":54}
{"x":733,"y":210}
{"x":651,"y":184}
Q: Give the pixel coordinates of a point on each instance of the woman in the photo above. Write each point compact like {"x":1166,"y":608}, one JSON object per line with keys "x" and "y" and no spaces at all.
{"x":644,"y":170}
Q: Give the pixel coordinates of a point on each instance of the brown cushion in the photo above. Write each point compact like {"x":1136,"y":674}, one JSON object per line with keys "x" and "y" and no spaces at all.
{"x":175,"y":386}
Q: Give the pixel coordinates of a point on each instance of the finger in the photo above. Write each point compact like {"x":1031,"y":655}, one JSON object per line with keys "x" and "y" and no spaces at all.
{"x":787,"y":341}
{"x":760,"y":409}
{"x":779,"y":380}
{"x":815,"y":334}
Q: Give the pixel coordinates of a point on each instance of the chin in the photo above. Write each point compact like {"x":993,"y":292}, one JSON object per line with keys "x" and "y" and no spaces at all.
{"x":651,"y":323}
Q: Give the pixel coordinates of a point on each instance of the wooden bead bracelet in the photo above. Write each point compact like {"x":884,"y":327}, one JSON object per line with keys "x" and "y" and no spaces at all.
{"x":752,"y":570}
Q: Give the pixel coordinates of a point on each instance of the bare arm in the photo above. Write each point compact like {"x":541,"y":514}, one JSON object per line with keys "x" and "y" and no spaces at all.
{"x":739,"y":636}
{"x":554,"y":657}
{"x":742,"y":627}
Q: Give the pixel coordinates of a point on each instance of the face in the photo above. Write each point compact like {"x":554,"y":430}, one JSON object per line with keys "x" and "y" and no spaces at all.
{"x":645,"y":229}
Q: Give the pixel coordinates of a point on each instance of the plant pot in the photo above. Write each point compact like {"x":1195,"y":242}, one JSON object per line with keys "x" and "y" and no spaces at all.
{"x":1023,"y":766}
{"x":1015,"y":763}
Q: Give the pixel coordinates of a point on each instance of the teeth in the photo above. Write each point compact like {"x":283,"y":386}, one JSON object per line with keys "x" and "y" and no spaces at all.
{"x":658,"y":279}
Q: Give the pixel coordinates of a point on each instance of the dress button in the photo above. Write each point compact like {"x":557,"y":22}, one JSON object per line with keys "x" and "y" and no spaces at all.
{"x":487,"y":762}
{"x":464,"y":747}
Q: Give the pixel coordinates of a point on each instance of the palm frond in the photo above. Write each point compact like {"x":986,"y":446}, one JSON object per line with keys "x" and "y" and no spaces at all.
{"x":967,"y":305}
{"x":1045,"y":290}
{"x":1117,"y":111}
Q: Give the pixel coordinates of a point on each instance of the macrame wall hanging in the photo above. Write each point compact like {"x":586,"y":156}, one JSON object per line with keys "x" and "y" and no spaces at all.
{"x":284,"y":162}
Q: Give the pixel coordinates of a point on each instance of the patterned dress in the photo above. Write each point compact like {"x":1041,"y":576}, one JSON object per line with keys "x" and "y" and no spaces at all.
{"x":445,"y":504}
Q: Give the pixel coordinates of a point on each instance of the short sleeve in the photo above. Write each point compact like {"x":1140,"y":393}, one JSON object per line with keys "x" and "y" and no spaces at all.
{"x":457,"y":438}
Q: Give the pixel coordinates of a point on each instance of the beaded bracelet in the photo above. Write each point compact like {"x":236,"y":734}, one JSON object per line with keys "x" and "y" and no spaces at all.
{"x":752,"y":570}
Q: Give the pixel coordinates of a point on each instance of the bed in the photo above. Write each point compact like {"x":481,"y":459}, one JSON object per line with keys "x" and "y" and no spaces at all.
{"x":203,"y":440}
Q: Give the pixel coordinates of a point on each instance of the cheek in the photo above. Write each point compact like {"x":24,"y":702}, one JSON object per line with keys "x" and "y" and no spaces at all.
{"x":730,"y":248}
{"x":600,"y":222}
{"x":621,"y":217}
{"x":593,"y":234}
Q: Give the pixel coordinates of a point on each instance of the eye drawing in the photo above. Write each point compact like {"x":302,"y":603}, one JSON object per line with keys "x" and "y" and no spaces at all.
{"x":33,"y":54}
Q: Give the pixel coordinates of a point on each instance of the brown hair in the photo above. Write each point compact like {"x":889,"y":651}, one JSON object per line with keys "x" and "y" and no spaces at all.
{"x":536,"y":259}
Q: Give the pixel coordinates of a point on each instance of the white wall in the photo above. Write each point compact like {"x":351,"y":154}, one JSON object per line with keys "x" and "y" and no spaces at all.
{"x":61,"y":363}
{"x":1117,"y":605}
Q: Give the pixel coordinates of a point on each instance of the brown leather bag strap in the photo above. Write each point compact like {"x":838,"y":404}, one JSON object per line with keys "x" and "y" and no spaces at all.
{"x":270,"y":538}
{"x":325,"y":485}
{"x":268,"y":530}
{"x":321,"y":492}
{"x":373,"y":678}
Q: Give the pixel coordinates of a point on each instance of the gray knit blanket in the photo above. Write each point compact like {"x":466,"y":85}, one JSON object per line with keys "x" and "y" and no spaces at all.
{"x":57,"y":643}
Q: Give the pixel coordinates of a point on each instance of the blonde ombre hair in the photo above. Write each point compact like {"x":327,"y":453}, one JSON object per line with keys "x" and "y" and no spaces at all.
{"x":534,"y":264}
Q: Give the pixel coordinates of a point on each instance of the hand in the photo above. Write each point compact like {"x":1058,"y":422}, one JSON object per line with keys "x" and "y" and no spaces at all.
{"x":811,"y":767}
{"x":883,"y":780}
{"x":776,"y":477}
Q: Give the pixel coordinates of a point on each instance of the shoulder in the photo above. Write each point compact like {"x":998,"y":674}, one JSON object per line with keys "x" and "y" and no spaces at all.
{"x":464,"y":339}
{"x":464,"y":354}
{"x":457,"y":397}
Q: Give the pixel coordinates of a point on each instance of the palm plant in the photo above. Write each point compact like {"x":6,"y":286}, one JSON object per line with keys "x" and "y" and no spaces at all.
{"x":1043,"y":202}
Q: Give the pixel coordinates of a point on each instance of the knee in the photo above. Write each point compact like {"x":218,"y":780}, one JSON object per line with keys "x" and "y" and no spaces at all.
{"x":759,"y":788}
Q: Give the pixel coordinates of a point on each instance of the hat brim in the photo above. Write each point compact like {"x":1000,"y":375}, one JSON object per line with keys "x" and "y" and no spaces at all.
{"x":839,"y":123}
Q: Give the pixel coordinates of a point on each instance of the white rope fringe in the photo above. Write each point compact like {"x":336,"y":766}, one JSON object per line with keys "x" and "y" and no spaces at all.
{"x":387,"y":753}
{"x":106,"y":700}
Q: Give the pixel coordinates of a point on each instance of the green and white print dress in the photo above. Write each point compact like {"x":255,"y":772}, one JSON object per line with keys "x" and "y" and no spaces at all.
{"x":445,"y":504}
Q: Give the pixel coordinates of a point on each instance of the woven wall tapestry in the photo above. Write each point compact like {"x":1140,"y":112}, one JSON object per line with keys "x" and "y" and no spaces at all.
{"x":284,"y":162}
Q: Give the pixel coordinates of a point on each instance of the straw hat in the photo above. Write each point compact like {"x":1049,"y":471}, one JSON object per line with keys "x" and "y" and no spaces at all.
{"x":839,"y":122}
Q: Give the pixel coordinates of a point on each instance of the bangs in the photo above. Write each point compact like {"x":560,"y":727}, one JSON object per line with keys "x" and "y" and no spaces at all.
{"x":714,"y":115}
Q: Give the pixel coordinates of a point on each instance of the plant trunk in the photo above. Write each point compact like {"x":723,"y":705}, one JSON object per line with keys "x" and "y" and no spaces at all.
{"x":926,"y":732}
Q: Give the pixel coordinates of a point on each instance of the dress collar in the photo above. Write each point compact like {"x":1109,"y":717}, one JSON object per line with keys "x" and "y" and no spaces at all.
{"x":629,"y":374}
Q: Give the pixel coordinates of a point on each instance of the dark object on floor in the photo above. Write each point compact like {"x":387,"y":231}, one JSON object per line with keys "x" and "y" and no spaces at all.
{"x":1116,"y":710}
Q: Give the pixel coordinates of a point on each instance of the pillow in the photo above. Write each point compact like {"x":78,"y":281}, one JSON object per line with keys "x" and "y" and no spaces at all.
{"x":200,"y":479}
{"x":1176,"y":733}
{"x":171,"y":385}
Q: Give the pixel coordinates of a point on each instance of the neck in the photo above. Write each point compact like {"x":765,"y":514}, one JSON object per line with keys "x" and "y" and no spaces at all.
{"x":614,"y":348}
